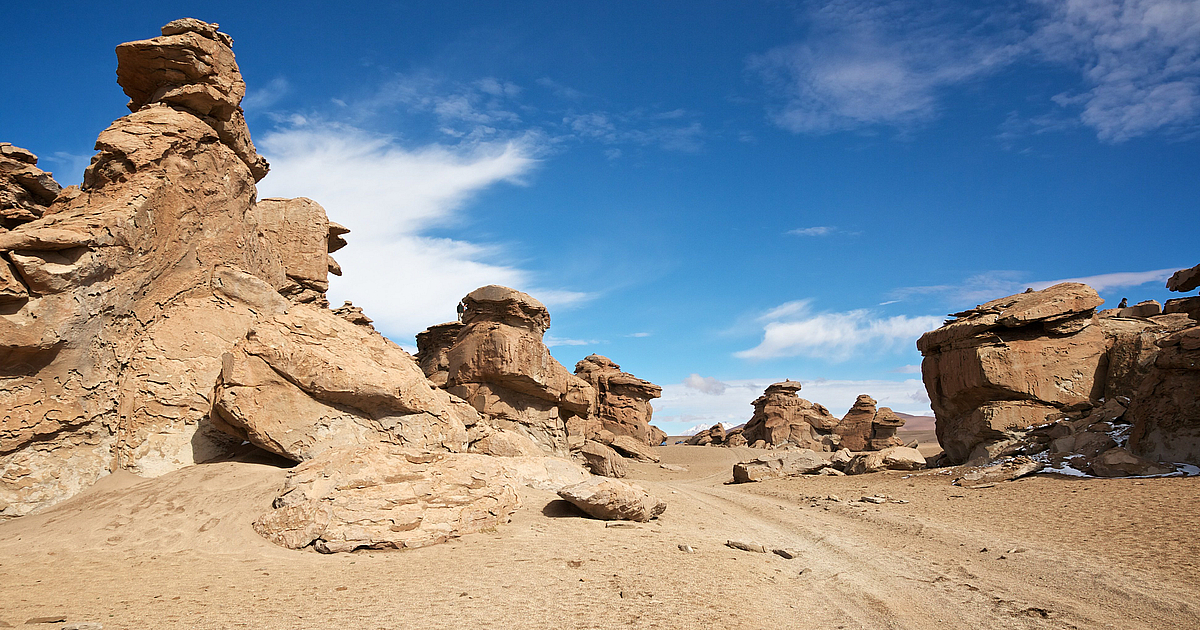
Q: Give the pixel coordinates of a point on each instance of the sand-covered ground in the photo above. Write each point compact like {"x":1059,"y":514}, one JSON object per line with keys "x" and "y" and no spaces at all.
{"x":1042,"y":552}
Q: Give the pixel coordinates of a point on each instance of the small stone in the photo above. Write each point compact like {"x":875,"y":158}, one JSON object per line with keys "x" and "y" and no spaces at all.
{"x":86,"y":625}
{"x":746,"y":546}
{"x":874,"y":499}
{"x":686,"y":548}
{"x":672,"y":467}
{"x":833,"y":497}
{"x":51,"y":619}
{"x":786,"y":552}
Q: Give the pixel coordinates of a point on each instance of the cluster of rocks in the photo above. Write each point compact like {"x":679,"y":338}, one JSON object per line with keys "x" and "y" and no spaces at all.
{"x":782,"y":418}
{"x":1043,"y":374}
{"x":496,"y":360}
{"x":794,"y":462}
{"x":161,"y":315}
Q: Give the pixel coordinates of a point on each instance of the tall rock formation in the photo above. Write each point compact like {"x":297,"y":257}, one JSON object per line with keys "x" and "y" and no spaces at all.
{"x":124,"y":301}
{"x":866,"y":428}
{"x":622,"y":400}
{"x":1043,"y":356}
{"x":782,"y":416}
{"x":500,"y":365}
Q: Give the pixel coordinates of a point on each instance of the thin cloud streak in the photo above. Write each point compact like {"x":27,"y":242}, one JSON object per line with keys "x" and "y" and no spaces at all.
{"x":793,"y":329}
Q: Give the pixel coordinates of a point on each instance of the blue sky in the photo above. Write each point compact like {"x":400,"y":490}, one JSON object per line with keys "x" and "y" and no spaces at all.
{"x":716,"y":195}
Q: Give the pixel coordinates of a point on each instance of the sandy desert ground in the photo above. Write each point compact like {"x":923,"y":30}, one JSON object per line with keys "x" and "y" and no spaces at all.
{"x":1041,"y":552}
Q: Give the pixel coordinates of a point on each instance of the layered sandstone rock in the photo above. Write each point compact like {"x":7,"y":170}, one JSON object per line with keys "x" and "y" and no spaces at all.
{"x":500,"y":365}
{"x":388,"y":498}
{"x":1040,"y":373}
{"x":712,"y":436}
{"x":781,"y":417}
{"x":1011,"y":362}
{"x":622,"y":400}
{"x":1185,"y":280}
{"x":25,"y":190}
{"x":433,"y":350}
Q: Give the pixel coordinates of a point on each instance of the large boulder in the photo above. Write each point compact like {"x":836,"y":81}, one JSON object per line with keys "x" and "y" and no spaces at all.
{"x":378,"y":497}
{"x":622,"y":400}
{"x":306,"y":381}
{"x":1010,"y":363}
{"x":894,"y":458}
{"x":612,"y":500}
{"x":602,"y":460}
{"x":1042,"y":371}
{"x":1185,"y":280}
{"x":788,"y":463}
{"x":781,"y":417}
{"x":500,"y":365}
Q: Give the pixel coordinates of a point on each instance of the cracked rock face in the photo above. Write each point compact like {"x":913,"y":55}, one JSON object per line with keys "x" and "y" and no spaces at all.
{"x":1046,"y":358}
{"x":119,"y":298}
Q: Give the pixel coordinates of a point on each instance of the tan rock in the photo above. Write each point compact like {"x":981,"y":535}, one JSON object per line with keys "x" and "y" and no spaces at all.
{"x":1185,"y":280}
{"x":1007,"y":470}
{"x":611,"y":500}
{"x":714,"y":435}
{"x":503,"y":443}
{"x":1118,"y":462}
{"x":1166,"y":410}
{"x":855,"y":427}
{"x":622,"y":400}
{"x":657,"y":436}
{"x":633,"y":448}
{"x":781,"y":416}
{"x":735,"y":439}
{"x":500,"y":365}
{"x":380,"y":497}
{"x":433,"y":350}
{"x":894,"y":458}
{"x":778,"y":465}
{"x":26,"y":191}
{"x":299,"y":230}
{"x":602,"y":460}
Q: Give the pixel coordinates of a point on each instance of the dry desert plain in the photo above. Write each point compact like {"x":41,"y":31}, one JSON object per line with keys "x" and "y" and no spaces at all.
{"x":1041,"y":552}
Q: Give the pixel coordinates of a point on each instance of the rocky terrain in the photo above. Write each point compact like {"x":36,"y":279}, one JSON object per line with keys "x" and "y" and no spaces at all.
{"x":191,"y":437}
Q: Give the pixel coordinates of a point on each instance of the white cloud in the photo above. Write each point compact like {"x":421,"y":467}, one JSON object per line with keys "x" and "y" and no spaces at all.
{"x":388,"y":196}
{"x":820,"y":230}
{"x":682,"y":406}
{"x":638,"y":334}
{"x":1141,"y":59}
{"x":1106,"y":281}
{"x":867,"y":64}
{"x":907,"y":369}
{"x":552,"y":341}
{"x":793,"y":329}
{"x":990,"y":285}
{"x":705,"y":384}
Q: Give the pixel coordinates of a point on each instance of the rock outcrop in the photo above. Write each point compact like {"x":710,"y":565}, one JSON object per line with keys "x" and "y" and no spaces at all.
{"x":500,"y":365}
{"x":25,"y":190}
{"x":1041,"y":373}
{"x":781,"y":417}
{"x":622,"y":400}
{"x":778,"y":465}
{"x":433,"y":350}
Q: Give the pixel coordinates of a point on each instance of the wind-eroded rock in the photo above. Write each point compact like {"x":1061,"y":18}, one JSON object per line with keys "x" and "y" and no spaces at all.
{"x":781,"y":416}
{"x":611,"y":500}
{"x":500,"y":365}
{"x":622,"y":400}
{"x":388,"y":498}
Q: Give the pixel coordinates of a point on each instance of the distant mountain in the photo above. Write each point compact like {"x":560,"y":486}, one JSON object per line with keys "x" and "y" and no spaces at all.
{"x":916,"y":423}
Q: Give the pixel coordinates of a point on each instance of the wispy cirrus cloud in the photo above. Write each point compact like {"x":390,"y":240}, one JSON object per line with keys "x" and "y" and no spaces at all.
{"x":820,"y":230}
{"x":869,"y":64}
{"x":994,"y":284}
{"x":795,"y":329}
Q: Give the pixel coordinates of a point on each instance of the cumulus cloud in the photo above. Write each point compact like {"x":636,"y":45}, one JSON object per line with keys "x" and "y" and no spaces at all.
{"x":704,"y":384}
{"x":794,"y":329}
{"x":867,"y":64}
{"x":683,"y":406}
{"x":266,"y":96}
{"x":389,"y":196}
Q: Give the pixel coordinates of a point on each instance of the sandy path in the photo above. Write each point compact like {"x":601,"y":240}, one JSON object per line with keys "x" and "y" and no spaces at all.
{"x":177,"y":552}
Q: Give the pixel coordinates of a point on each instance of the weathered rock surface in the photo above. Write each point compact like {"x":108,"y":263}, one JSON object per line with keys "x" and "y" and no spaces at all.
{"x":1118,"y":462}
{"x":633,"y":448}
{"x":894,"y":458}
{"x":433,"y":350}
{"x":1041,"y":372}
{"x":622,"y":400}
{"x":714,"y":435}
{"x":1185,"y":280}
{"x":777,"y":465}
{"x":602,"y":460}
{"x":306,"y":381}
{"x":500,"y":365}
{"x":388,"y":498}
{"x":1006,"y":470}
{"x":781,"y":416}
{"x":611,"y":500}
{"x":26,"y":191}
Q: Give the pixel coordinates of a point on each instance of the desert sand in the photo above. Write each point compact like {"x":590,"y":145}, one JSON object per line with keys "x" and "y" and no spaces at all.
{"x":177,"y":551}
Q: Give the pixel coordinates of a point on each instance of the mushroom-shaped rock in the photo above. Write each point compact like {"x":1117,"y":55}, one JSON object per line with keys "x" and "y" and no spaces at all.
{"x":611,"y":500}
{"x":780,"y":417}
{"x":622,"y":400}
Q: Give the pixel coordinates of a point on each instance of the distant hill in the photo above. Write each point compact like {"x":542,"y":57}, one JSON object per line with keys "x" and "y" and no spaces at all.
{"x":916,"y":423}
